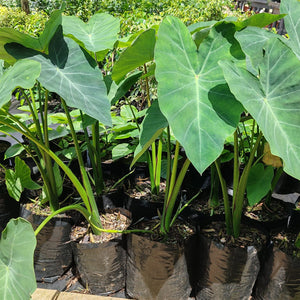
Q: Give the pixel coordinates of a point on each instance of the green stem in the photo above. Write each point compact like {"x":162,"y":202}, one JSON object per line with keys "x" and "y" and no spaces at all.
{"x":228,"y":216}
{"x":54,"y":203}
{"x":48,"y":180}
{"x":180,"y":209}
{"x":169,"y":163}
{"x":154,"y":163}
{"x":170,"y":203}
{"x":134,"y":116}
{"x":92,"y":206}
{"x":147,"y":87}
{"x":236,"y":166}
{"x":239,"y":195}
{"x":98,"y":175}
{"x":174,"y":170}
{"x":34,"y":113}
{"x":77,"y":207}
{"x":158,"y":166}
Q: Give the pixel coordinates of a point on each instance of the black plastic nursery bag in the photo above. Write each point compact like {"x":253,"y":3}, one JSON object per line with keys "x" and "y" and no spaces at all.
{"x":279,"y":278}
{"x":53,"y":253}
{"x":156,"y":270}
{"x":101,"y":266}
{"x":225,"y":273}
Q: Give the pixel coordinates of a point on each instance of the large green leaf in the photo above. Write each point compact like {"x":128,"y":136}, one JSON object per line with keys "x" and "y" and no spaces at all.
{"x":140,"y":52}
{"x":192,"y":92}
{"x":22,"y":74}
{"x":99,"y":33}
{"x":10,"y":35}
{"x":17,"y":244}
{"x":273,"y":100}
{"x":252,"y":41}
{"x":291,"y":23}
{"x":72,"y":74}
{"x":259,"y":183}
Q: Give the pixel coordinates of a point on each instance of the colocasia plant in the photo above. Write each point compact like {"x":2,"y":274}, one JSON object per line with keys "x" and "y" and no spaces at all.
{"x":201,"y":91}
{"x":59,"y":64}
{"x":194,"y":100}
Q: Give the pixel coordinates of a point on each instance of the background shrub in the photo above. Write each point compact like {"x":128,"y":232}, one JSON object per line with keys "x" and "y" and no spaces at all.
{"x":32,"y":24}
{"x":140,"y":14}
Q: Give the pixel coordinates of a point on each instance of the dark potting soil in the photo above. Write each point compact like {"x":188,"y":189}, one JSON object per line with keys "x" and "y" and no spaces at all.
{"x":142,"y":190}
{"x":249,"y":236}
{"x":178,"y":234}
{"x":273,"y":211}
{"x":112,"y":220}
{"x":285,"y":241}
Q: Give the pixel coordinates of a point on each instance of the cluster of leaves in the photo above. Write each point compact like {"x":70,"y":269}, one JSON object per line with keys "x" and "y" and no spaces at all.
{"x":15,"y":18}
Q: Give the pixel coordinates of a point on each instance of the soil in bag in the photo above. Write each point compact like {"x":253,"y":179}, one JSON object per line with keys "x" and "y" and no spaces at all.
{"x":100,"y":259}
{"x":53,"y":253}
{"x":227,"y":268}
{"x":157,"y":270}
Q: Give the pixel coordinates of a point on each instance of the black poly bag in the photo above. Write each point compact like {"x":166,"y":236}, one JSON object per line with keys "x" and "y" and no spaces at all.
{"x":101,"y":266}
{"x":53,"y":253}
{"x":156,"y":271}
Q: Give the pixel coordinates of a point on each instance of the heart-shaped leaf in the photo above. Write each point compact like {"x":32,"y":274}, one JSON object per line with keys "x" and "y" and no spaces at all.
{"x":22,"y":74}
{"x":17,"y":244}
{"x":253,"y":39}
{"x":273,"y":100}
{"x":99,"y":33}
{"x":192,"y":92}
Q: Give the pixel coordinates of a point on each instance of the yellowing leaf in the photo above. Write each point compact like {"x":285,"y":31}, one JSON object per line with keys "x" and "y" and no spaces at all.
{"x":269,"y":159}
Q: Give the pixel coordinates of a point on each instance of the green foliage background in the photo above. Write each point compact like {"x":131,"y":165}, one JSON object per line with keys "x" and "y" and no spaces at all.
{"x":134,"y":15}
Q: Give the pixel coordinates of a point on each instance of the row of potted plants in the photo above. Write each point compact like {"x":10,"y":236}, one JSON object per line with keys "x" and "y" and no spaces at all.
{"x":215,"y":81}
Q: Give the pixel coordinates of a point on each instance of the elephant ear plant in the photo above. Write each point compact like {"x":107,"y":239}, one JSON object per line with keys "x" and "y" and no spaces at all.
{"x":194,"y":99}
{"x":270,"y":93}
{"x":59,"y":65}
{"x":193,"y":94}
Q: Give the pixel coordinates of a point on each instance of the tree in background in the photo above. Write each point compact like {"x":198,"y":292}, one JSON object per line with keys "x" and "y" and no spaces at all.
{"x":25,"y":6}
